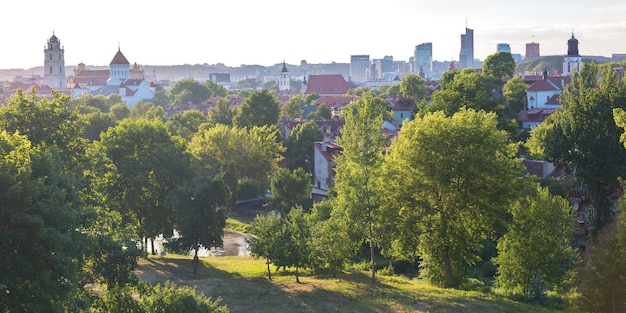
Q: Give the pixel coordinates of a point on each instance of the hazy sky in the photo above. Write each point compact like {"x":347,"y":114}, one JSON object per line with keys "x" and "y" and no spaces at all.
{"x":266,"y":32}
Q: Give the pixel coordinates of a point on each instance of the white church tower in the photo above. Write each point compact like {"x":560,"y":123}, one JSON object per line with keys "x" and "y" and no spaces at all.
{"x":54,"y":64}
{"x":284,"y":82}
{"x":572,"y":61}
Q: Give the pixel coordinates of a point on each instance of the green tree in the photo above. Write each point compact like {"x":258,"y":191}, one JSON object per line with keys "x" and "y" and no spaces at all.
{"x":499,"y":65}
{"x":216,"y":89}
{"x":149,"y":163}
{"x":264,"y":237}
{"x":311,"y":98}
{"x":322,"y":111}
{"x":412,"y":87}
{"x":358,"y":168}
{"x":160,"y":97}
{"x":40,"y":235}
{"x":289,"y":188}
{"x":296,"y":251}
{"x":120,"y":111}
{"x":221,"y":113}
{"x":46,"y":123}
{"x":448,"y":181}
{"x":293,"y":107}
{"x":600,"y":279}
{"x":147,"y":110}
{"x":201,"y":215}
{"x":515,"y":97}
{"x":465,"y":89}
{"x":535,"y":253}
{"x":301,"y":144}
{"x":237,"y":153}
{"x":259,"y":109}
{"x":186,"y":124}
{"x":331,"y":243}
{"x":96,"y":123}
{"x":583,"y":136}
{"x":189,"y":90}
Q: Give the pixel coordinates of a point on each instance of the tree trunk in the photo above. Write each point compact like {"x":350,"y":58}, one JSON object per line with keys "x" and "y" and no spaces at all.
{"x":195,"y":261}
{"x":449,"y":281}
{"x":372,"y":261}
{"x":145,"y":245}
{"x":269,"y":272}
{"x":152,"y":244}
{"x":297,"y":277}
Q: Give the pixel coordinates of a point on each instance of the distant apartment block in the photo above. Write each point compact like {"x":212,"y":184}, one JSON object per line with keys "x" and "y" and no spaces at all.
{"x":466,"y":56}
{"x":532,"y":50}
{"x":383,"y":69}
{"x":359,"y":68}
{"x":424,"y":57}
{"x":220,"y":78}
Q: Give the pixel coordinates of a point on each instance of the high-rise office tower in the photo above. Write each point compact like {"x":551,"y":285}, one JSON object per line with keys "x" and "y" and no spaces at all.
{"x":503,"y":47}
{"x":466,"y":56}
{"x":424,"y":57}
{"x":359,"y":68}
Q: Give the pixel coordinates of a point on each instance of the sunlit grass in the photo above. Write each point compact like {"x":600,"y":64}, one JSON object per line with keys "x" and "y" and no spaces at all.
{"x":242,"y":284}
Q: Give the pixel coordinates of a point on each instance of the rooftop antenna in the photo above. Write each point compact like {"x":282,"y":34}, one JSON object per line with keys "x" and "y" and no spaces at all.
{"x":118,"y":45}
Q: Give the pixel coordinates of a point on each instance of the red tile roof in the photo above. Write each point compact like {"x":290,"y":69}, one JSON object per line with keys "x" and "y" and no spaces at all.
{"x":119,"y":59}
{"x":330,"y":84}
{"x":534,"y":115}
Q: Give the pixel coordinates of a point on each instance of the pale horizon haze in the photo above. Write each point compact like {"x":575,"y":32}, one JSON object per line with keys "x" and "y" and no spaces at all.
{"x":269,"y":32}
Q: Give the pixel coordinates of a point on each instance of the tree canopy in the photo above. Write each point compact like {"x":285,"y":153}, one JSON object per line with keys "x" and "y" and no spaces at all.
{"x":448,"y":180}
{"x":583,"y":136}
{"x":259,"y":109}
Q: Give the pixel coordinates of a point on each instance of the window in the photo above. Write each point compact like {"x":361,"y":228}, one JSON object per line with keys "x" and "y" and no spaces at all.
{"x":50,"y":56}
{"x":50,"y":69}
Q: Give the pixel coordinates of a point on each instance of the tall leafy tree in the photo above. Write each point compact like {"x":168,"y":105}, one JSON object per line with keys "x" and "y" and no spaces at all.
{"x":221,"y":113}
{"x":448,"y":181}
{"x":412,"y":87}
{"x":358,"y":169}
{"x":259,"y":109}
{"x":583,"y":136}
{"x":186,"y":124}
{"x":265,"y":239}
{"x":530,"y":264}
{"x":40,"y":241}
{"x":500,"y":65}
{"x":515,"y":96}
{"x":237,"y":153}
{"x":322,"y":111}
{"x":201,"y":215}
{"x":331,"y":243}
{"x":289,"y":188}
{"x":300,"y":146}
{"x":189,"y":90}
{"x":465,"y":89}
{"x":600,"y":280}
{"x":46,"y":123}
{"x":149,"y":164}
{"x":293,"y":107}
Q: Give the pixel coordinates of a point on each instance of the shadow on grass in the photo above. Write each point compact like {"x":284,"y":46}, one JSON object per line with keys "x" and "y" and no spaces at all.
{"x":351,"y":292}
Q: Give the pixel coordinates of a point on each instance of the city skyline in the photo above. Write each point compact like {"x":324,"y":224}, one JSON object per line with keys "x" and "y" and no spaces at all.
{"x":273,"y":31}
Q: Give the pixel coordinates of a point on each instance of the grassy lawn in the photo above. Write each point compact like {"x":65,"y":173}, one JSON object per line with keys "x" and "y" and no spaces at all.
{"x":241,"y":282}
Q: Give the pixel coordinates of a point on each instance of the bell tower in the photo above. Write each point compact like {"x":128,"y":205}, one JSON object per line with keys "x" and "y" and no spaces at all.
{"x":54,"y":64}
{"x":572,"y":61}
{"x":284,"y":83}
